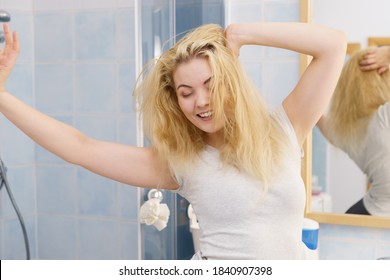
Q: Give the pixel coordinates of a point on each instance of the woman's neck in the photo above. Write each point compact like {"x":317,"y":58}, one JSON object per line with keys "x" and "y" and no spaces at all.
{"x":214,"y":139}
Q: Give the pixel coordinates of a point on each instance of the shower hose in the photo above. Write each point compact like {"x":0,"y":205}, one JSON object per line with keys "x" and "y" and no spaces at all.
{"x":4,"y":182}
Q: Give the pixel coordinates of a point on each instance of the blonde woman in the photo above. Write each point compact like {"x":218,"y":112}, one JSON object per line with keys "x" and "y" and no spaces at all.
{"x":214,"y":140}
{"x":358,"y":122}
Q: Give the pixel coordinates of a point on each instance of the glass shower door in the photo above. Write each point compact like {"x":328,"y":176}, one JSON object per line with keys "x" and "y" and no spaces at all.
{"x":160,"y":21}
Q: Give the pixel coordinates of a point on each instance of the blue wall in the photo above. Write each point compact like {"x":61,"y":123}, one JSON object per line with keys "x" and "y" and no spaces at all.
{"x":77,"y":64}
{"x":84,"y":75}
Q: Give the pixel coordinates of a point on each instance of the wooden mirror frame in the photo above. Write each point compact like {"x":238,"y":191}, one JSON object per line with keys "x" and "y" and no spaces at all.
{"x":378,"y":41}
{"x":324,"y":217}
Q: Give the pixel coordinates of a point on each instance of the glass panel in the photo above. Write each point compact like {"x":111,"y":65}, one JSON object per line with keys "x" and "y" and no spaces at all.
{"x":157,"y":18}
{"x":161,"y":19}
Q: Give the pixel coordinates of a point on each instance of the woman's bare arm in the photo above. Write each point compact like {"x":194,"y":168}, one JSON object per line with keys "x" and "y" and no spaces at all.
{"x":130,"y":165}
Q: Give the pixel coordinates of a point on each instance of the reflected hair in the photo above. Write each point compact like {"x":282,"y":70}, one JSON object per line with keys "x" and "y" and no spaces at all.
{"x":252,"y":141}
{"x":357,"y":96}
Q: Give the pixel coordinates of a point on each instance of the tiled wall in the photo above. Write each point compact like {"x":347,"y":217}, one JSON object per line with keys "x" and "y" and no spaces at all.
{"x":267,"y":67}
{"x":77,"y":64}
{"x":337,"y":242}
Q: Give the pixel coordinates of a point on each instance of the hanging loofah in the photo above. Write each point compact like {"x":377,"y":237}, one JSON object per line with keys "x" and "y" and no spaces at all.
{"x":154,"y":213}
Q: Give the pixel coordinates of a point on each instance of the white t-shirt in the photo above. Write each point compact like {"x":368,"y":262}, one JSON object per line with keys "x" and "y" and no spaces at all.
{"x":374,"y":160}
{"x":236,"y":219}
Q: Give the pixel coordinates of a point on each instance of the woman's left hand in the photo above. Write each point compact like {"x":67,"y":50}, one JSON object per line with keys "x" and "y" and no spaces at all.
{"x":376,"y":59}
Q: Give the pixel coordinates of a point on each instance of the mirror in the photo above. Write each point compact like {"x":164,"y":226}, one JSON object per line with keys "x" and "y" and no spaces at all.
{"x":337,"y":175}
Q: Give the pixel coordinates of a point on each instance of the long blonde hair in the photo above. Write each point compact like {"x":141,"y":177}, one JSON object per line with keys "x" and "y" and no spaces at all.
{"x":252,"y":141}
{"x":357,"y":96}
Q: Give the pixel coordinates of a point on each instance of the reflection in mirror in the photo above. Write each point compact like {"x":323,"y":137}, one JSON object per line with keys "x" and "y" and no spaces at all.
{"x":337,"y":181}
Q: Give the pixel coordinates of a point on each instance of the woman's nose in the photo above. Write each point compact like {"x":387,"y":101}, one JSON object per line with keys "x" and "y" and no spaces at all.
{"x":203,"y":98}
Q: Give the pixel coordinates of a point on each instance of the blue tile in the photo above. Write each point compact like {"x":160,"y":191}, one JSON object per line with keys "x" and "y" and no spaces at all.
{"x":22,"y":184}
{"x":54,"y":88}
{"x":278,"y":53}
{"x":22,"y":22}
{"x":98,"y":239}
{"x":384,"y":235}
{"x":94,"y":4}
{"x":128,"y":130}
{"x":384,"y":251}
{"x":126,"y":79}
{"x":254,"y":72}
{"x":346,"y":249}
{"x":213,"y":11}
{"x":350,"y":242}
{"x":282,"y":10}
{"x":126,"y":34}
{"x":17,"y":148}
{"x":56,"y":192}
{"x":57,"y":238}
{"x":129,"y":241}
{"x":14,"y":246}
{"x":250,"y":10}
{"x":53,"y":36}
{"x":53,"y":5}
{"x":124,"y":3}
{"x":20,"y":82}
{"x":128,"y":202}
{"x":98,"y":127}
{"x":23,"y":5}
{"x":252,"y":54}
{"x":95,"y":35}
{"x":97,"y":196}
{"x":273,"y":72}
{"x":348,"y":232}
{"x":96,"y":88}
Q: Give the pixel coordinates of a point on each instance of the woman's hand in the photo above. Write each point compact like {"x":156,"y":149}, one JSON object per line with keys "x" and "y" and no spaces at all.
{"x":376,"y":59}
{"x":8,"y":55}
{"x":232,"y":37}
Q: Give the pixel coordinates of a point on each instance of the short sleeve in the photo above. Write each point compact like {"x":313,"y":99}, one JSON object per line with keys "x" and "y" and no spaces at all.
{"x":384,"y":115}
{"x":280,"y":116}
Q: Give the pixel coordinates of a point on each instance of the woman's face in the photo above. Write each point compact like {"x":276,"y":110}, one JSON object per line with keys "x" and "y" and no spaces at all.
{"x":192,"y":80}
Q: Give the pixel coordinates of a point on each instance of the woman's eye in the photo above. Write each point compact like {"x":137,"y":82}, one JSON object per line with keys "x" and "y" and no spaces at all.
{"x":186,"y":94}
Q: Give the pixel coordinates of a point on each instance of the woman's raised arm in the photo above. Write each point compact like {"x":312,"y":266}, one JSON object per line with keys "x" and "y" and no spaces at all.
{"x":308,"y":100}
{"x":130,"y":165}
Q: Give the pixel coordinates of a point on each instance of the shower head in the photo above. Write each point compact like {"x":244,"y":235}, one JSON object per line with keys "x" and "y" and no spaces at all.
{"x":4,"y":16}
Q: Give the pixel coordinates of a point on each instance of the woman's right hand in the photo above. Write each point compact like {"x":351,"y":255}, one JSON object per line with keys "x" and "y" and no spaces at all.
{"x":8,"y":55}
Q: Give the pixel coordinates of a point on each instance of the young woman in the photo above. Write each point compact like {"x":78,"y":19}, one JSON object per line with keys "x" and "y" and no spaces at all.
{"x":358,"y":123}
{"x":214,"y":140}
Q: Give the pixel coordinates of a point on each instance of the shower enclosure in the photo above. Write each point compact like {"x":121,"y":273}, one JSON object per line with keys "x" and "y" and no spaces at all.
{"x":78,"y":63}
{"x":163,"y":23}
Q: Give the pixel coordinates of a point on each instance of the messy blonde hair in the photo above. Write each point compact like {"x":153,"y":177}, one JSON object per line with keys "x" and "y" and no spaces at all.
{"x":357,"y":96}
{"x":252,"y":141}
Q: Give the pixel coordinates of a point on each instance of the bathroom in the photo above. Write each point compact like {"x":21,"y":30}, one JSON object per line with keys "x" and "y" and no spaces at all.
{"x":94,"y":50}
